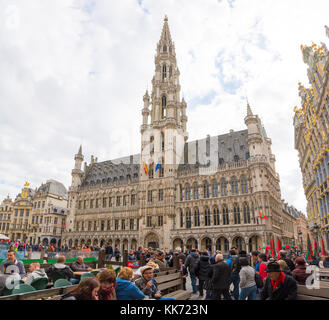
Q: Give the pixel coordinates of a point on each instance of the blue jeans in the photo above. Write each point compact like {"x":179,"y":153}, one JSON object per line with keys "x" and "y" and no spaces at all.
{"x":193,"y":283}
{"x":235,"y":279}
{"x":249,"y":293}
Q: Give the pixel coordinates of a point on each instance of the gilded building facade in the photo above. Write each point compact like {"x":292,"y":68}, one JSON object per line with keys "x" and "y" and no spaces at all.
{"x":6,"y":211}
{"x":311,"y":123}
{"x":208,"y":193}
{"x":20,"y":224}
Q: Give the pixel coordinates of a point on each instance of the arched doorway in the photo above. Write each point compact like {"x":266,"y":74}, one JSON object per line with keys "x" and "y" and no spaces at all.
{"x":59,"y":243}
{"x":151,"y":240}
{"x":53,"y":241}
{"x":95,"y":242}
{"x":125,"y":245}
{"x":206,"y":244}
{"x":45,"y":242}
{"x":178,"y":243}
{"x":117,"y":243}
{"x":102,"y":243}
{"x":133,"y":245}
{"x":191,"y":243}
{"x":239,"y":243}
{"x":89,"y":242}
{"x":82,"y":242}
{"x":222,"y":245}
{"x":254,"y":243}
{"x":109,"y":242}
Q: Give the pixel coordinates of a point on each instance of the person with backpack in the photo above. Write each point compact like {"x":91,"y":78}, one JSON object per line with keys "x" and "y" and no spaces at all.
{"x":201,"y":270}
{"x":233,"y":263}
{"x":190,"y":263}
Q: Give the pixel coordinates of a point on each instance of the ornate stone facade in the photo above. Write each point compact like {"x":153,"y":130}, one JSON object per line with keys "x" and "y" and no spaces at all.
{"x":311,"y":123}
{"x":206,"y":193}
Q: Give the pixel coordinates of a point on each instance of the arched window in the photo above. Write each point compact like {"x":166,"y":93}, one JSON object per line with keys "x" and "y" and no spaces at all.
{"x":207,"y":217}
{"x":188,"y":219}
{"x":244,"y":185}
{"x":164,"y":105}
{"x":181,"y":218}
{"x":196,"y":191}
{"x":170,"y":72}
{"x":216,"y":217}
{"x":151,"y":171}
{"x":215,"y":189}
{"x":235,"y":188}
{"x":246,"y":213}
{"x":162,"y":141}
{"x":187,"y":192}
{"x":226,"y":220}
{"x":196,"y":217}
{"x":164,"y":48}
{"x":206,"y":190}
{"x":236,"y":211}
{"x":164,"y":72}
{"x":180,"y":192}
{"x":223,"y":187}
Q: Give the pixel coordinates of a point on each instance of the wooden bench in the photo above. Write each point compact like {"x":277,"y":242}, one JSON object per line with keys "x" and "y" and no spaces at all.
{"x":303,"y":293}
{"x":170,"y":283}
{"x":324,"y":274}
{"x":47,"y":294}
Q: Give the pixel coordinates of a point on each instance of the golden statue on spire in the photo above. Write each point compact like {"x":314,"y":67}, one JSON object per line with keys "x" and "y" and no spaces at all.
{"x":26,"y":184}
{"x":166,"y":18}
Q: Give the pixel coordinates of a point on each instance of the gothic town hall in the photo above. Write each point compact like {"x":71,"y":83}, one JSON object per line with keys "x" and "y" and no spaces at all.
{"x":210,"y":193}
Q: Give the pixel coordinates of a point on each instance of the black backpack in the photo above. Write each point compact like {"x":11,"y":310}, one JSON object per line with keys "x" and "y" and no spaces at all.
{"x":236,"y":267}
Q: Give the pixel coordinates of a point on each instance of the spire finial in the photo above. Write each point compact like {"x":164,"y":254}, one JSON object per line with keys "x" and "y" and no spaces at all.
{"x":80,"y":150}
{"x":249,"y":112}
{"x":166,"y":18}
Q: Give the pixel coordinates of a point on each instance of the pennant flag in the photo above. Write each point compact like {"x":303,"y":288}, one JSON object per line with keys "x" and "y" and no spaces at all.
{"x":323,"y":248}
{"x":262,"y":215}
{"x":279,"y":244}
{"x":316,"y":251}
{"x":273,"y":253}
{"x":309,"y":249}
{"x":63,"y":223}
{"x":158,"y":166}
{"x":145,"y":168}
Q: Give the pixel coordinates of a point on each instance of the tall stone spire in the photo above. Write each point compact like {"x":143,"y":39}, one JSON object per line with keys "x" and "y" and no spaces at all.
{"x":249,"y":112}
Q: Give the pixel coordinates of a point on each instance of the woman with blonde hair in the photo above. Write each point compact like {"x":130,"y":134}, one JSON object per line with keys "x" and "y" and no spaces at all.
{"x":126,"y":289}
{"x":284,"y":267}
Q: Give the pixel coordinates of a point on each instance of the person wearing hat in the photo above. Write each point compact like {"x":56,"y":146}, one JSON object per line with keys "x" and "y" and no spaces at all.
{"x":299,"y":272}
{"x":278,"y":286}
{"x":147,"y":284}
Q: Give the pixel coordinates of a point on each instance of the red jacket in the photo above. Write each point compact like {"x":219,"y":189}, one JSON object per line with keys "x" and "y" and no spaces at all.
{"x":262,"y":272}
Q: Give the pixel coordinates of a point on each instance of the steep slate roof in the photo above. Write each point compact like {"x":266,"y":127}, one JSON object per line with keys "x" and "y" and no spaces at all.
{"x":111,"y":170}
{"x":225,"y":148}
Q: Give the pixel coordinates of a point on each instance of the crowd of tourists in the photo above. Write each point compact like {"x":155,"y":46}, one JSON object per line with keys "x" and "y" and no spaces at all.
{"x":254,"y":276}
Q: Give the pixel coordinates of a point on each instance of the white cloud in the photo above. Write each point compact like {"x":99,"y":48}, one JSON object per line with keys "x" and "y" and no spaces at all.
{"x":75,"y":72}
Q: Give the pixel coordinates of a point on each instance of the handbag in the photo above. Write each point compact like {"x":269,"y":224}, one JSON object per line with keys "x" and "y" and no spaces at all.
{"x":258,"y":280}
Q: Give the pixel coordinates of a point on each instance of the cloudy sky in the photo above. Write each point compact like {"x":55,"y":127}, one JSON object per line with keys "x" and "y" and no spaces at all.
{"x":74,"y":72}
